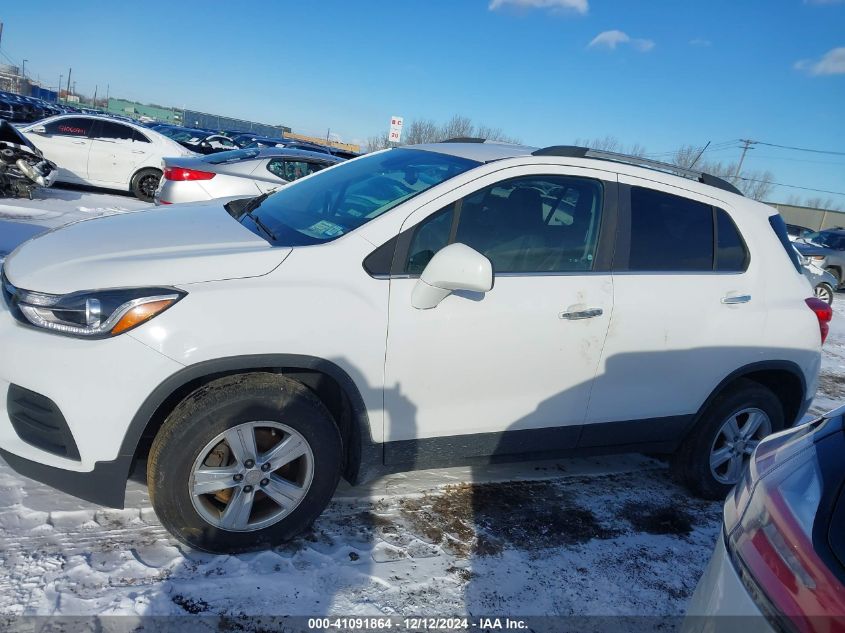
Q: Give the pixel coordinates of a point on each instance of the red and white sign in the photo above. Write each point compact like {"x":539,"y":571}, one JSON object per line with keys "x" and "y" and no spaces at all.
{"x":395,"y":129}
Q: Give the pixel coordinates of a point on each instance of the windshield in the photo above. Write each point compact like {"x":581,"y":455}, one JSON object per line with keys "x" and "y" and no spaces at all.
{"x":336,"y":201}
{"x":232,"y":156}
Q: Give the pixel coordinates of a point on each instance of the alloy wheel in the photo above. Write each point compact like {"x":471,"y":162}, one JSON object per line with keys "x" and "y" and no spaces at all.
{"x":251,"y":476}
{"x":736,"y":441}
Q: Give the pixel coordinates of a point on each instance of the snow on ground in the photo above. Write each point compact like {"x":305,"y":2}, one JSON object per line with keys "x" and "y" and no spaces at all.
{"x":603,"y":536}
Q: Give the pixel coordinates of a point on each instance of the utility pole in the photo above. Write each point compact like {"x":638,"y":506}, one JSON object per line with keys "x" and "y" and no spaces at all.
{"x":95,"y":95}
{"x":59,"y":89}
{"x":748,"y":143}
{"x":1,"y":32}
{"x":23,"y":68}
{"x":69,"y":71}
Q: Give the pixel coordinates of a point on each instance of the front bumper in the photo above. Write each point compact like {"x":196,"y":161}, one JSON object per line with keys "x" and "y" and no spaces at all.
{"x":98,"y":386}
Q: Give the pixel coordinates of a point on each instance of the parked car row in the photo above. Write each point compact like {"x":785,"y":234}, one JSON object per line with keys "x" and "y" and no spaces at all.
{"x":826,"y":249}
{"x":205,"y":141}
{"x":242,"y":172}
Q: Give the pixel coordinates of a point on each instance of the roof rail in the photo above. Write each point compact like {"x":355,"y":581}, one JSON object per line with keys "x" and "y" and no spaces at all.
{"x":465,"y":139}
{"x":574,"y":151}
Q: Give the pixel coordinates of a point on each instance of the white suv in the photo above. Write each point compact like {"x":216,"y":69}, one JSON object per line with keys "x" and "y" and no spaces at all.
{"x":417,"y":307}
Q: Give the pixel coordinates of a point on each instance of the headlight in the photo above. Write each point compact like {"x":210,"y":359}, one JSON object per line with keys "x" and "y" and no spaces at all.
{"x":90,"y":314}
{"x":816,"y":258}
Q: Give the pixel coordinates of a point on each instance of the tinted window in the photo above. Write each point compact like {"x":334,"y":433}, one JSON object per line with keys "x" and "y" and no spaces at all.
{"x":291,"y":170}
{"x":779,"y":227}
{"x":70,"y":127}
{"x":530,"y":224}
{"x":341,"y":199}
{"x":669,"y":232}
{"x":731,"y":254}
{"x":111,"y":130}
{"x":137,"y":136}
{"x":429,"y":237}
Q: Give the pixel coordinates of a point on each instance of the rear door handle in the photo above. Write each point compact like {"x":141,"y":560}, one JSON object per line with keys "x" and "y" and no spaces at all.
{"x":589,"y":313}
{"x":733,"y":299}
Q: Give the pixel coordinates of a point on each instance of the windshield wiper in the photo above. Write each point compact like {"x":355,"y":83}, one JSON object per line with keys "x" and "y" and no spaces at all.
{"x":248,"y":211}
{"x":261,"y":225}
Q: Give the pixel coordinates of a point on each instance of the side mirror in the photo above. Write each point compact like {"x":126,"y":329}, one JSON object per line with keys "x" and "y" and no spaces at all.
{"x":38,"y":129}
{"x":455,"y":267}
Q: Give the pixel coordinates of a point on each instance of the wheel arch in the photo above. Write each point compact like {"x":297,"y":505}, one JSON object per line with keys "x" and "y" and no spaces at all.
{"x":782,"y":377}
{"x":332,"y":384}
{"x":139,"y":170}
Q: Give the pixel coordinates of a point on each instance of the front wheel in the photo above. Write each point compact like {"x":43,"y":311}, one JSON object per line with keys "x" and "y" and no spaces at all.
{"x":145,"y":183}
{"x":712,"y":458}
{"x":243,"y":463}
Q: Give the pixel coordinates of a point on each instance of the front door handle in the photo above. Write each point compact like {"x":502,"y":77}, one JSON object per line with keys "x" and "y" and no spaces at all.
{"x":589,"y":313}
{"x":734,"y":299}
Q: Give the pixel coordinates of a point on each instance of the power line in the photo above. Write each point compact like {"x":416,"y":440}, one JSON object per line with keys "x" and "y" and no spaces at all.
{"x":800,"y":149}
{"x":782,"y":184}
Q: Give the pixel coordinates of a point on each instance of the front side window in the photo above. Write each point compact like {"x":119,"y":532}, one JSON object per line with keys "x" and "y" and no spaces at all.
{"x":74,"y":126}
{"x":536,"y":224}
{"x":337,"y":201}
{"x":669,"y":233}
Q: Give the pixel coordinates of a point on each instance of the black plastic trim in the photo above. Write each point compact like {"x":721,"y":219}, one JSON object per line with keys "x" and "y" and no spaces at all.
{"x":104,"y":485}
{"x":465,"y":139}
{"x":39,"y":422}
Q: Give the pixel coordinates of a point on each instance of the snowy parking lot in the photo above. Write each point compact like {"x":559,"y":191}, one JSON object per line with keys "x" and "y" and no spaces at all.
{"x":587,"y":536}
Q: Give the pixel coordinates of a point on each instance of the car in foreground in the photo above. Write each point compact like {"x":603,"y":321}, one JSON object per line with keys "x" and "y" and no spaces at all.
{"x":416,"y":307}
{"x":826,"y":249}
{"x":104,"y":152}
{"x":242,"y":172}
{"x":779,"y":564}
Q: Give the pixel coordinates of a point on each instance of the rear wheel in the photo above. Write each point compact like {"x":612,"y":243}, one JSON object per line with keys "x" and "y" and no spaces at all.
{"x":244,"y":463}
{"x":713,"y":457}
{"x":145,"y":183}
{"x":825,"y":293}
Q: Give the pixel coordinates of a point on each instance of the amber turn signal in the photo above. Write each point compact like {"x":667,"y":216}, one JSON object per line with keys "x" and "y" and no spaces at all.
{"x":139,"y":314}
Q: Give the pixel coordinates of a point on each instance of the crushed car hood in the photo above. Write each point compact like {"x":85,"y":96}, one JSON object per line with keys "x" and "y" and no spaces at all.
{"x":169,"y":246}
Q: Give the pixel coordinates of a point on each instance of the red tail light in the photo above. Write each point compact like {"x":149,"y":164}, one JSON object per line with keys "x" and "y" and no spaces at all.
{"x":773,"y":542}
{"x":183,"y":173}
{"x":824,"y":313}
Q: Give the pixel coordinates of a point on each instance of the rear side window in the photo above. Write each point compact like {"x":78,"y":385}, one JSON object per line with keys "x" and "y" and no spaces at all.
{"x":669,"y":233}
{"x":110,"y":130}
{"x":731,"y":253}
{"x":779,"y":227}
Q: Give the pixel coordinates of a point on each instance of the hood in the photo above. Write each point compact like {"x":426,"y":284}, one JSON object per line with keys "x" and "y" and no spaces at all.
{"x":10,"y":134}
{"x":170,"y":246}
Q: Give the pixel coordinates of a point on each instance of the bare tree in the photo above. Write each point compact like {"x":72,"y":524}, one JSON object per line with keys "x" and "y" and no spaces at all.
{"x":611,"y":144}
{"x":428,"y":131}
{"x":421,"y":131}
{"x":376,"y":143}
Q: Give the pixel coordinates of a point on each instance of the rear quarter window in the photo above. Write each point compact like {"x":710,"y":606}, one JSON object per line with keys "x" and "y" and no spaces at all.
{"x":779,"y":227}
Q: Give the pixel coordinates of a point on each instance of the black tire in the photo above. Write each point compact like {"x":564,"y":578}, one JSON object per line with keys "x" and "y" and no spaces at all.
{"x":837,"y":274}
{"x":691,"y":463}
{"x":211,"y":410}
{"x":825,"y":292}
{"x":144,"y":183}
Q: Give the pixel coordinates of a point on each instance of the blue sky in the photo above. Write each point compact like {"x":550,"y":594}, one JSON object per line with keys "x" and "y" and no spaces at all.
{"x":658,"y":73}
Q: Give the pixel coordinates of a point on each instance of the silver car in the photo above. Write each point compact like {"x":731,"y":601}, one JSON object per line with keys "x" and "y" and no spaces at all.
{"x":241,"y":172}
{"x":824,"y":283}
